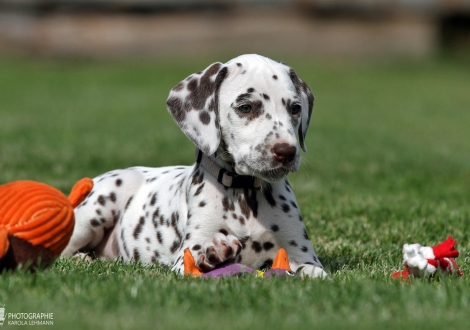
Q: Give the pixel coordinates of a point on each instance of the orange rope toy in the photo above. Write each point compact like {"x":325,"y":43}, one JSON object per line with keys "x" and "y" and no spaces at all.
{"x":36,"y":221}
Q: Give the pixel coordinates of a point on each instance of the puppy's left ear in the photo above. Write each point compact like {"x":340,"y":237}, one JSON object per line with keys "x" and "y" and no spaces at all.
{"x":194,"y":104}
{"x":307,"y":98}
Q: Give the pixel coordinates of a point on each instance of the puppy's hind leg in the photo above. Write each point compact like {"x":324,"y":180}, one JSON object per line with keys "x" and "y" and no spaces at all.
{"x":102,"y":209}
{"x":86,"y":233}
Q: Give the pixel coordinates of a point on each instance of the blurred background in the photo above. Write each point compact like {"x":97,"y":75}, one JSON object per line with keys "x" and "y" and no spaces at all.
{"x":83,"y":85}
{"x":169,"y":28}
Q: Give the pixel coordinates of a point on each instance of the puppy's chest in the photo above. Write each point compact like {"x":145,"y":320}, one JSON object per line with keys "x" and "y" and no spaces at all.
{"x":247,"y":216}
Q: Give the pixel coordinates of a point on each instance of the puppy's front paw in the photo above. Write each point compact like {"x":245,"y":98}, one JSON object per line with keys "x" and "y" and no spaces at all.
{"x":217,"y":250}
{"x":312,"y":271}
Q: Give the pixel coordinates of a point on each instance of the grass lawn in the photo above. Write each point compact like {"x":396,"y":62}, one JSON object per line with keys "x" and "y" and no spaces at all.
{"x":388,"y":164}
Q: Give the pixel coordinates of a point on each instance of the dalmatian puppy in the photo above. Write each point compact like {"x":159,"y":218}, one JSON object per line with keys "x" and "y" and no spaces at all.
{"x":234,"y":204}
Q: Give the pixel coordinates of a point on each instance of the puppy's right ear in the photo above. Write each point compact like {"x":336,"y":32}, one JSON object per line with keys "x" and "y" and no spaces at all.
{"x":194,"y":104}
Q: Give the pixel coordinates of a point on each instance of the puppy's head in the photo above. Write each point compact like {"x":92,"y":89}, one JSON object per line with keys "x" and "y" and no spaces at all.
{"x":249,"y":111}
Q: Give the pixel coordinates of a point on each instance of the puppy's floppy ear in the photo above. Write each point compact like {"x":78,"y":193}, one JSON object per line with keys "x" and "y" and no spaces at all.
{"x":194,"y":104}
{"x":307,"y":98}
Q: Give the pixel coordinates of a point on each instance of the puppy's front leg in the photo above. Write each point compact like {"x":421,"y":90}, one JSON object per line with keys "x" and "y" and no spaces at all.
{"x":211,"y":252}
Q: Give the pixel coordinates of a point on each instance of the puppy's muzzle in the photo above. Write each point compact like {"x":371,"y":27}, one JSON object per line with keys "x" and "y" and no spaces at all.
{"x":283,"y":153}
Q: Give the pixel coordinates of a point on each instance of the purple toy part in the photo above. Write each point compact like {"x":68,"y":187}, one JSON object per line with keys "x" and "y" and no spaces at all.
{"x":239,"y":269}
{"x":279,"y":273}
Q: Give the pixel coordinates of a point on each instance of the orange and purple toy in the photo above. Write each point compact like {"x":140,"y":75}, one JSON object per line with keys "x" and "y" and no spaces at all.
{"x":279,"y":268}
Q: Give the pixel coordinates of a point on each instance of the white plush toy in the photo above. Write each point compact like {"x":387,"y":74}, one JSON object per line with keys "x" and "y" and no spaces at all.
{"x":425,"y":261}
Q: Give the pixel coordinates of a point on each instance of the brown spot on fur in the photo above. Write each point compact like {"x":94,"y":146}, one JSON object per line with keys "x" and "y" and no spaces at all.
{"x":178,"y":87}
{"x":176,"y":106}
{"x":268,"y":246}
{"x":101,"y":200}
{"x":201,"y":89}
{"x":227,"y":204}
{"x":136,"y":255}
{"x":198,"y":190}
{"x":268,"y":195}
{"x":223,"y":231}
{"x":256,"y":246}
{"x":248,"y":202}
{"x":205,"y":118}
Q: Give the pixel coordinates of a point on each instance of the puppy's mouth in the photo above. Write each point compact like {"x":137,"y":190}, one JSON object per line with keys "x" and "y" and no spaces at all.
{"x":269,"y":175}
{"x":265,"y":169}
{"x":275,"y":174}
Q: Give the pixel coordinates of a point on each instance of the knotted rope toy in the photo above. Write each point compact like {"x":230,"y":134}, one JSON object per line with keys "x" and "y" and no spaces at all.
{"x":36,"y":222}
{"x":279,"y":268}
{"x":425,"y":261}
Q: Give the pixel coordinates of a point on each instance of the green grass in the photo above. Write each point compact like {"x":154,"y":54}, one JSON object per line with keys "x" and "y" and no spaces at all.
{"x":388,"y":164}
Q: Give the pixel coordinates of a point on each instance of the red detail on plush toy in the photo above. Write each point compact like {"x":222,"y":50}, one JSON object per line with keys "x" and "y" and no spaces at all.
{"x":446,"y":249}
{"x":425,"y":261}
{"x":403,"y":274}
{"x":433,"y":262}
{"x":36,"y":221}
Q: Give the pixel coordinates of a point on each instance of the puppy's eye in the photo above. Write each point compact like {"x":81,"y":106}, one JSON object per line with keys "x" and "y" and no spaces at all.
{"x":296,"y":109}
{"x":245,"y":108}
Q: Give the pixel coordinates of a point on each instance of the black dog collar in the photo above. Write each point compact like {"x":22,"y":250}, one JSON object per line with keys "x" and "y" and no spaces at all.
{"x":227,"y":178}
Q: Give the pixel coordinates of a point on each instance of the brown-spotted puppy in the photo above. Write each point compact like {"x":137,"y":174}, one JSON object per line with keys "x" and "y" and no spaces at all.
{"x":235,"y":203}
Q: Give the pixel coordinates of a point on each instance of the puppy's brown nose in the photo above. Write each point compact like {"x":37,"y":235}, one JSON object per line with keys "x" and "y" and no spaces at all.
{"x":283,"y":152}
